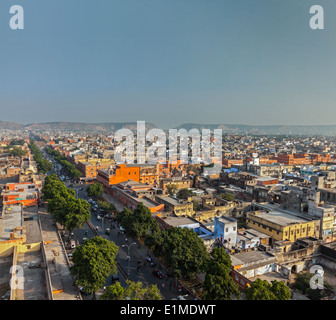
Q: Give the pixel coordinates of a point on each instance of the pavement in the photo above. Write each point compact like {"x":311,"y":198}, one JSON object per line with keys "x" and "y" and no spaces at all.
{"x":132,"y":247}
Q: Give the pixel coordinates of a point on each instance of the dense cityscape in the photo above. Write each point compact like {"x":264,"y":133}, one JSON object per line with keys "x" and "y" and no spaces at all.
{"x":167,"y":158}
{"x":76,"y":225}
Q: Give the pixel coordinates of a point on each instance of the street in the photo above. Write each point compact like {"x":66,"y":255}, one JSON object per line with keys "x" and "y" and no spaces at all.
{"x":131,"y":247}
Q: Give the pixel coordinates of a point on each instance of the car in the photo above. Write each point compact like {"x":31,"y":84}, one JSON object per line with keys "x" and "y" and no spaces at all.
{"x":157,"y":273}
{"x":72,"y":244}
{"x":81,"y":289}
{"x":115,"y":278}
{"x":99,"y":217}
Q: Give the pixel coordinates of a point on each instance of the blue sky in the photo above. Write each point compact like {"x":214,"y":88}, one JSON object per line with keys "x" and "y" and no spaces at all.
{"x":168,"y":62}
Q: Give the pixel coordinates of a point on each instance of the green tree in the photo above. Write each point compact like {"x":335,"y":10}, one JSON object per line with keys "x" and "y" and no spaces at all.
{"x":259,"y":290}
{"x":154,"y":240}
{"x":184,"y":193}
{"x":184,"y":251}
{"x":93,"y":262}
{"x":171,"y":188}
{"x":227,"y":196}
{"x":302,"y":284}
{"x":137,"y":223}
{"x":43,"y":165}
{"x":17,"y":152}
{"x":133,"y":291}
{"x":17,"y":142}
{"x":218,"y":283}
{"x":263,"y":290}
{"x":95,"y":189}
{"x":107,"y":206}
{"x":78,"y":212}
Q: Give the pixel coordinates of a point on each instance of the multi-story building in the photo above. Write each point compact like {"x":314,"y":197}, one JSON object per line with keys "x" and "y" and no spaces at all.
{"x":178,"y":207}
{"x":20,"y":193}
{"x":282,"y":226}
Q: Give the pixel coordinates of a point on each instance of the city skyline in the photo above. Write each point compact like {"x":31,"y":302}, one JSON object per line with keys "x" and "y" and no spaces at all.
{"x":170,"y":63}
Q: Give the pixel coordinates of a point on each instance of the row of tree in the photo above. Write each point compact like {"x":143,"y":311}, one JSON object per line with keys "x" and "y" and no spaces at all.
{"x":43,"y":165}
{"x":182,"y":251}
{"x":70,"y":212}
{"x":186,"y":255}
{"x":63,"y":161}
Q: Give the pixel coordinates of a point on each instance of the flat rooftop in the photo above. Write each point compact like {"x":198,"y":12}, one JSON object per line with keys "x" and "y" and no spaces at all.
{"x":249,"y":258}
{"x":12,"y":218}
{"x":170,"y":200}
{"x":227,"y":219}
{"x":250,"y":234}
{"x":179,"y":221}
{"x":279,"y":218}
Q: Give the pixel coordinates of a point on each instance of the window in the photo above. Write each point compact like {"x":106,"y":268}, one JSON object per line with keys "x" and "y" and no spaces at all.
{"x":226,"y":229}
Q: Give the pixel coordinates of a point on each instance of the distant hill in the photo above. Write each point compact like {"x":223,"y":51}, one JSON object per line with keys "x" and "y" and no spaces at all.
{"x":11,"y":125}
{"x":77,"y":126}
{"x":329,"y":130}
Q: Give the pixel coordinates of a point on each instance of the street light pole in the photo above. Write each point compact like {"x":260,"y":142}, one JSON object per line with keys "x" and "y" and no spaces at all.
{"x":129,"y":255}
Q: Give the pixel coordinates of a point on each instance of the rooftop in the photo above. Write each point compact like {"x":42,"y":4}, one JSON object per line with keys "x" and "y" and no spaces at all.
{"x":12,"y":218}
{"x":279,"y":218}
{"x":252,"y":257}
{"x":179,"y":221}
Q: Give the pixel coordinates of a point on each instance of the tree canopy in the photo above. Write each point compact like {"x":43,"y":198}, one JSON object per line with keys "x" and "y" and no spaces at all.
{"x":137,"y":223}
{"x":263,"y":290}
{"x":95,"y":189}
{"x":183,"y":251}
{"x":43,"y":165}
{"x":93,"y":262}
{"x":218,"y":284}
{"x":63,"y":161}
{"x":184,"y":193}
{"x":133,"y":291}
{"x":70,"y":212}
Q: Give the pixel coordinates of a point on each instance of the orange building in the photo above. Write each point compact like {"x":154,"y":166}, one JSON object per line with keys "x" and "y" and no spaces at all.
{"x":118,"y":174}
{"x":293,"y":159}
{"x":315,"y":158}
{"x":229,"y":162}
{"x":24,"y":193}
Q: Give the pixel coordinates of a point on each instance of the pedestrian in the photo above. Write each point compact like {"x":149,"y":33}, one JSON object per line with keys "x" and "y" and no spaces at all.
{"x":163,"y":285}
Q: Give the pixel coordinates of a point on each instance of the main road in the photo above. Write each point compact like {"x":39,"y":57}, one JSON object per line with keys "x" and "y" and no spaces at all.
{"x":127,"y":246}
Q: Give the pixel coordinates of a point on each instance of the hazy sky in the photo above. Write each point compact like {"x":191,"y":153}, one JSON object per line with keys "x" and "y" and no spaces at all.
{"x":168,"y":62}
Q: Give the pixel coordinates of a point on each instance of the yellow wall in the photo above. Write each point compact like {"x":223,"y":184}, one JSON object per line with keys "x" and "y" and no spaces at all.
{"x":291,"y":232}
{"x":7,"y":247}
